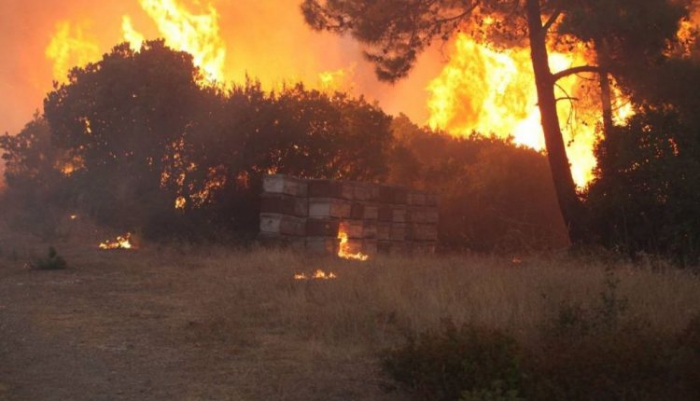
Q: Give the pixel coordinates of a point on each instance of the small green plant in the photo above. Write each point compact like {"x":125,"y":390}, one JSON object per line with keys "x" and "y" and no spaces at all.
{"x":454,"y":363}
{"x":574,"y":319}
{"x":53,"y":262}
{"x":612,"y":306}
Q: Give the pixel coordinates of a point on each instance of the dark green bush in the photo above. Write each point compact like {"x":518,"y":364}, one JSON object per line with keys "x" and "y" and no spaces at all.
{"x":598,"y":352}
{"x":629,"y":363}
{"x":466,"y":362}
{"x":53,"y":262}
{"x":585,"y":352}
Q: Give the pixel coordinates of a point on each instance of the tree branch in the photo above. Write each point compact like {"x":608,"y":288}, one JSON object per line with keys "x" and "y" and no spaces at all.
{"x":552,"y":19}
{"x":575,"y":70}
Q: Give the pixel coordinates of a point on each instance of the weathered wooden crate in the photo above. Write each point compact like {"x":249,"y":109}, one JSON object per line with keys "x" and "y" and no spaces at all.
{"x":360,"y":247}
{"x":363,"y":191}
{"x":392,"y":247}
{"x":425,"y":214}
{"x":398,"y":232}
{"x":330,"y":189}
{"x":273,"y":223}
{"x":284,"y":184}
{"x":392,"y":213}
{"x":422,"y":232}
{"x":369,"y":229}
{"x":375,"y":217}
{"x":383,"y":231}
{"x":431,"y":199}
{"x":322,"y":245}
{"x":325,"y":208}
{"x":283,"y":241}
{"x":322,"y":227}
{"x":357,"y":211}
{"x":421,"y":247}
{"x":284,"y":204}
{"x":352,"y":228}
{"x":416,"y":198}
{"x":370,"y":211}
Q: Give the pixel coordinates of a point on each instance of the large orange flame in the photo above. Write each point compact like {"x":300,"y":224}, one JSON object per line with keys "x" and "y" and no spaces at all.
{"x":493,"y":93}
{"x":197,"y":34}
{"x":71,"y":46}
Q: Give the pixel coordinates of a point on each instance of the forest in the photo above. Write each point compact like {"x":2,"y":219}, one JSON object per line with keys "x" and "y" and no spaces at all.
{"x":134,"y":142}
{"x":542,"y":286}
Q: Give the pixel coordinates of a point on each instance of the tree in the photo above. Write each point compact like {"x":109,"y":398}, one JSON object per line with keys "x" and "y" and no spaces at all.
{"x":296,"y":131}
{"x":34,"y":176}
{"x":396,"y":31}
{"x":124,"y":122}
{"x":647,"y":186}
{"x":509,"y":186}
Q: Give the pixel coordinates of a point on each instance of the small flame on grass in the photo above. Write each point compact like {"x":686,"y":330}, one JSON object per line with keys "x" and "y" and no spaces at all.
{"x":121,"y":242}
{"x":344,"y":249}
{"x":318,"y":275}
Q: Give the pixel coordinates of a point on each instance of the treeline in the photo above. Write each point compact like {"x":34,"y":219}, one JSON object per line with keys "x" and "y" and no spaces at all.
{"x":134,"y":142}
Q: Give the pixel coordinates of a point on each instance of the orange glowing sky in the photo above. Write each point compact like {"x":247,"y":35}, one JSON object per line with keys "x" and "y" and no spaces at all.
{"x":264,"y":38}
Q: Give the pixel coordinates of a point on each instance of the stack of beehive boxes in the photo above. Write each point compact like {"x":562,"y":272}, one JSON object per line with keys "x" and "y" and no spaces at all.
{"x":373,"y":218}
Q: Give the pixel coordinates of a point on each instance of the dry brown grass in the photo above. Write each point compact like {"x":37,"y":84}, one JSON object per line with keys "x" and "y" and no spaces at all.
{"x":219,"y":323}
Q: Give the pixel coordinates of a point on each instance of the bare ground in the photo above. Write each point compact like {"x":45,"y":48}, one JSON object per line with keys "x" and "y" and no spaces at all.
{"x":152,"y":325}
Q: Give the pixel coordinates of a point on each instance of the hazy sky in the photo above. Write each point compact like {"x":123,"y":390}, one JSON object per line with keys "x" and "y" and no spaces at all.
{"x":265,"y":38}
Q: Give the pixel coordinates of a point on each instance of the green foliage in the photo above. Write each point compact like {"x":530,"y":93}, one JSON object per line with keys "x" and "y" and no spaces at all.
{"x":647,"y":187}
{"x":467,"y":361}
{"x":53,"y":262}
{"x":34,"y":178}
{"x":573,"y":320}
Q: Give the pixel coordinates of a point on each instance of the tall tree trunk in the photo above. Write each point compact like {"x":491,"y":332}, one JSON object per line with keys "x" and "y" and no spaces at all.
{"x":571,"y":207}
{"x":601,"y":48}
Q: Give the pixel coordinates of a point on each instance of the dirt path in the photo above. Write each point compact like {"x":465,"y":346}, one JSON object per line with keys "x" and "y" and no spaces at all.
{"x":132,"y":327}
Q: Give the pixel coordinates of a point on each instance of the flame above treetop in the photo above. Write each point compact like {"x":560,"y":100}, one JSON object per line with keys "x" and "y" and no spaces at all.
{"x":480,"y":89}
{"x":493,"y":93}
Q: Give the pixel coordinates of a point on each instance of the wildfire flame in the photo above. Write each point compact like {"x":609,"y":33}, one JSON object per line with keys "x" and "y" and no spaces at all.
{"x":344,"y":250}
{"x":121,"y":242}
{"x":70,"y":46}
{"x":197,"y":34}
{"x":318,"y":275}
{"x":493,"y":93}
{"x":480,"y":89}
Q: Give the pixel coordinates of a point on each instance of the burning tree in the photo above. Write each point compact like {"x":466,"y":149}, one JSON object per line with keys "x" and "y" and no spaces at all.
{"x":396,"y":31}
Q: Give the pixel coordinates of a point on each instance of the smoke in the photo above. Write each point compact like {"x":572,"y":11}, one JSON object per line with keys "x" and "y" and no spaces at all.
{"x":265,"y":39}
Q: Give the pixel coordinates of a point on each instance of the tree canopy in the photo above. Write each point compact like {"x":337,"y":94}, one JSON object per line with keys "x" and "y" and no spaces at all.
{"x":395,"y":32}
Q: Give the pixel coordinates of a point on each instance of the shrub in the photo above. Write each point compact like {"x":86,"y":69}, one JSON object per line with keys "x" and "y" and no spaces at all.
{"x":626,"y":364}
{"x":599,"y":353}
{"x":53,"y":262}
{"x":470,"y":362}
